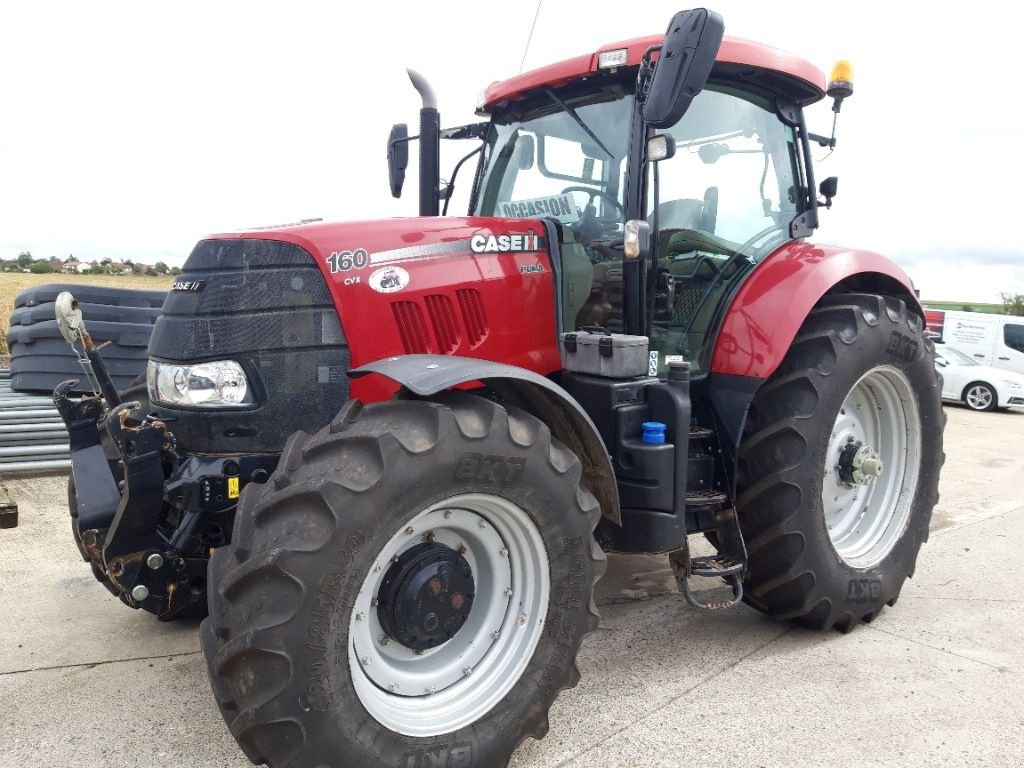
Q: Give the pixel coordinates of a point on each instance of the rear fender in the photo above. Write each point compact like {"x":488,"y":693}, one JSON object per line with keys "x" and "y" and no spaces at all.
{"x":770,"y":307}
{"x":426,"y":375}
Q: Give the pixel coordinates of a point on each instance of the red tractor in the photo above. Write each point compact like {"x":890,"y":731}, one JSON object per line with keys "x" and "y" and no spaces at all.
{"x":389,"y":455}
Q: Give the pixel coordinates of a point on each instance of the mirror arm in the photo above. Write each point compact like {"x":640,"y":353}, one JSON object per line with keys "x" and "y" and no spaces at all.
{"x":822,"y":141}
{"x":451,"y":184}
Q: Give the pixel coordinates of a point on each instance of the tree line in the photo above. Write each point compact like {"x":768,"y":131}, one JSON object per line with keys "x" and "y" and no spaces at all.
{"x":26,"y":262}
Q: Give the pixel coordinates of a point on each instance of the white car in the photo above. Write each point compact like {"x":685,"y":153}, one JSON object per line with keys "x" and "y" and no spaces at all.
{"x":979,"y":387}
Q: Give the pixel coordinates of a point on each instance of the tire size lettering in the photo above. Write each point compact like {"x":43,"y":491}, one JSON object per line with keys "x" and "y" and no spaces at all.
{"x":343,"y":261}
{"x":501,"y":470}
{"x":863,"y":590}
{"x":454,"y":757}
{"x":902,"y":347}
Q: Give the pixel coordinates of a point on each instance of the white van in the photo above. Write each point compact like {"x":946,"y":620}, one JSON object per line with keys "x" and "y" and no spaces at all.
{"x":996,"y":340}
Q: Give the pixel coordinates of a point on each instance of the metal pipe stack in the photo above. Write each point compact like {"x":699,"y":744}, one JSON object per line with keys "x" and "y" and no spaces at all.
{"x":32,"y":435}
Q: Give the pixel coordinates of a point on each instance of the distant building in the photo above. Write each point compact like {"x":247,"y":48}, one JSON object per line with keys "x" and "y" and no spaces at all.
{"x":73,"y":266}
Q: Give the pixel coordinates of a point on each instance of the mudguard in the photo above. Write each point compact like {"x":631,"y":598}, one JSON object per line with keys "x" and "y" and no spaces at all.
{"x":426,"y":375}
{"x":770,"y":307}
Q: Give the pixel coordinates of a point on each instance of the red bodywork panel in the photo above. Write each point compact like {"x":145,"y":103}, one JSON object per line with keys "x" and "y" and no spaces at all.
{"x":496,"y":306}
{"x":774,"y":301}
{"x":733,"y":51}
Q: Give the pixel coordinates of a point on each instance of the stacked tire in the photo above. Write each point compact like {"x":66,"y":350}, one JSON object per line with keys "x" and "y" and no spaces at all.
{"x":41,"y":358}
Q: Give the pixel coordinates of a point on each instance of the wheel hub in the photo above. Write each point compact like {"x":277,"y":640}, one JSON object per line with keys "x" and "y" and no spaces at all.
{"x":426,"y":596}
{"x":859,"y":464}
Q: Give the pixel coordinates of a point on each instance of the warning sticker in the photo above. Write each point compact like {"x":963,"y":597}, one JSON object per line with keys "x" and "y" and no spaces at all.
{"x":232,"y":487}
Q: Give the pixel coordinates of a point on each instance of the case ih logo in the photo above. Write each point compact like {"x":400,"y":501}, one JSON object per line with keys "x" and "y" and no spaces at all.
{"x":190,"y":286}
{"x":525,"y":243}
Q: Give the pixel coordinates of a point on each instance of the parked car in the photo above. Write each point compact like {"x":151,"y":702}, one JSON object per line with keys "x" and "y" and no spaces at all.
{"x":979,"y":387}
{"x":996,"y":340}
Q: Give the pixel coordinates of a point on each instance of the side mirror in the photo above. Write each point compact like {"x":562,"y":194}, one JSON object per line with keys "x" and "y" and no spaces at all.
{"x":684,"y":65}
{"x":828,"y":189}
{"x":398,"y":157}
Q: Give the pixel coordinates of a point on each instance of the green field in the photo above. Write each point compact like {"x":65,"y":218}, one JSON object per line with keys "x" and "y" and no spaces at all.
{"x":962,"y":306}
{"x":13,"y":283}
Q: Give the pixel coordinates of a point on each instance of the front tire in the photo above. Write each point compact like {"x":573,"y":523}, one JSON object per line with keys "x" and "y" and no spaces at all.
{"x":839,"y":464}
{"x":979,"y":396}
{"x":325,"y":643}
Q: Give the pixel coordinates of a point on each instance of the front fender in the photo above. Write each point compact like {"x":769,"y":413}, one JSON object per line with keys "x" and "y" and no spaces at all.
{"x":770,"y":307}
{"x":426,"y":375}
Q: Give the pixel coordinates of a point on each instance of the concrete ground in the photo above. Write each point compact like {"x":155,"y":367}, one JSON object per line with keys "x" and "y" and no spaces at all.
{"x":937,"y":680}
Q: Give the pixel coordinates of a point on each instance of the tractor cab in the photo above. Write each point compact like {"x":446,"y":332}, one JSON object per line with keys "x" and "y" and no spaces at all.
{"x":720,"y":189}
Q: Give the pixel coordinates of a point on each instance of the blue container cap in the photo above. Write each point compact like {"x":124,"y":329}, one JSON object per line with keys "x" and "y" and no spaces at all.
{"x":654,"y":433}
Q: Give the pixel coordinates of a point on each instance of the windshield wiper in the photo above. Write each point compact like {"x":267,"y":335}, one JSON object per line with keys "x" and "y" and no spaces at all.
{"x":579,"y":120}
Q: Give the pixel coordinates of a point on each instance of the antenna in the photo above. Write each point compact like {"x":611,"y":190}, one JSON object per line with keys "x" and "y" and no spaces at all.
{"x":529,"y":38}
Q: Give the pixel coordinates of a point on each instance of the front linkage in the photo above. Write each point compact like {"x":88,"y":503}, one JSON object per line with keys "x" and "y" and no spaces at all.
{"x":147,"y":515}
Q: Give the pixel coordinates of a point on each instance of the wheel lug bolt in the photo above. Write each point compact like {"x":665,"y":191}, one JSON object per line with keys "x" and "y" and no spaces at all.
{"x":483,"y":523}
{"x":447,"y":514}
{"x":508,"y":592}
{"x":375,"y":602}
{"x":462,"y":549}
{"x":394,"y":559}
{"x":419,"y":653}
{"x":522,"y":619}
{"x":360,"y":616}
{"x":410,"y":530}
{"x":496,"y":634}
{"x":384,"y":640}
{"x":467,"y":671}
{"x":431,"y":689}
{"x":430,"y":536}
{"x":393,"y":687}
{"x":365,"y":660}
{"x":503,"y":552}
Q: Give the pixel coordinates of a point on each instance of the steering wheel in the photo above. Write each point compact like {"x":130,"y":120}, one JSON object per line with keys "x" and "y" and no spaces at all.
{"x":592,"y":193}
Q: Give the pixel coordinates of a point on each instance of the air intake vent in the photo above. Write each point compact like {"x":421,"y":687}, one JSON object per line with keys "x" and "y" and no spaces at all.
{"x":442,"y":317}
{"x":409,"y":318}
{"x":473,"y":316}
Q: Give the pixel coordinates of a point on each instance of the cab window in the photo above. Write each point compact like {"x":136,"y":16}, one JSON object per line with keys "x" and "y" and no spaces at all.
{"x":726,"y":200}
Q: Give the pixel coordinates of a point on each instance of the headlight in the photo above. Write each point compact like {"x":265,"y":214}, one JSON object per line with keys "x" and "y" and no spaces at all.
{"x":203,"y":385}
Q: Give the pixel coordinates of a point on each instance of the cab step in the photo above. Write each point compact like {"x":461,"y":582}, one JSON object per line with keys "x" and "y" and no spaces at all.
{"x":729,"y":563}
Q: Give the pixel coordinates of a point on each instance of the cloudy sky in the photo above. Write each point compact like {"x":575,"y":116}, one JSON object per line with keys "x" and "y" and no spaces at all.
{"x":131,"y":129}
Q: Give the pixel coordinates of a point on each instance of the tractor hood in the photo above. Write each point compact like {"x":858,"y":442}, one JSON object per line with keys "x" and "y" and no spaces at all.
{"x":297,"y":306}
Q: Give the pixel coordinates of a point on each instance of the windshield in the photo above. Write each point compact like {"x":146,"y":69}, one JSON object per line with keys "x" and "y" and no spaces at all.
{"x":563,"y":158}
{"x":955,"y":356}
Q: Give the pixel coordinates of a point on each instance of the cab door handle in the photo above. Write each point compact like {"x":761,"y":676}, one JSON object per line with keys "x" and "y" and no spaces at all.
{"x":1004,"y":358}
{"x":978,"y":354}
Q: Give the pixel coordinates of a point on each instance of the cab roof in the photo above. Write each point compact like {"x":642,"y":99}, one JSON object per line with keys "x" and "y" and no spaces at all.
{"x":774,"y":70}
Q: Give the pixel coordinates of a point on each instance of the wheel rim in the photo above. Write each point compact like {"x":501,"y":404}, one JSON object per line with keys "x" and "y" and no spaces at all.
{"x":979,"y":397}
{"x":872,"y":465}
{"x":442,"y":689}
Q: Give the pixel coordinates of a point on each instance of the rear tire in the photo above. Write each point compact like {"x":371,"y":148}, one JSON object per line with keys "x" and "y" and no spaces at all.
{"x":289,"y":599}
{"x":979,"y":396}
{"x":859,"y":363}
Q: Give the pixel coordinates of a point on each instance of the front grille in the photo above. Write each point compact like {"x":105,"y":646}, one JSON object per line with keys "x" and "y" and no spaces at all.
{"x":265,"y":304}
{"x":409,"y":319}
{"x":473,"y":315}
{"x":442,"y":317}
